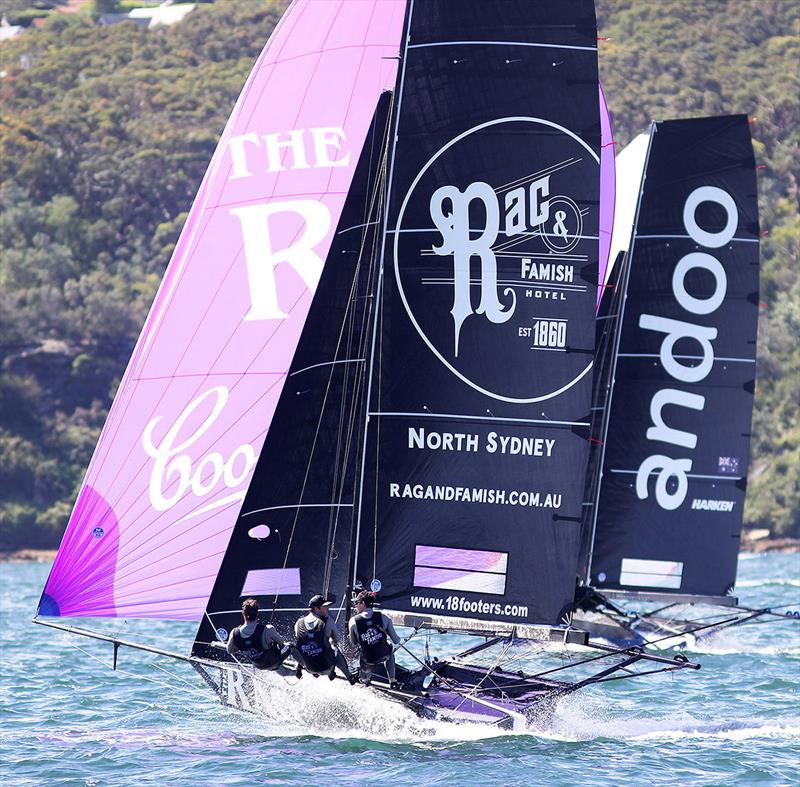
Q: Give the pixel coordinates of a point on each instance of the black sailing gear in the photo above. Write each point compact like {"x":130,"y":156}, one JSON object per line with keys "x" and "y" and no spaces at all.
{"x":314,"y":646}
{"x":372,"y":637}
{"x":253,"y":647}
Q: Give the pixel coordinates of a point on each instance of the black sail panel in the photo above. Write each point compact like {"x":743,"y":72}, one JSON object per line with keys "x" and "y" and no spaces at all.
{"x":292,"y":538}
{"x":480,"y":391}
{"x":677,"y":450}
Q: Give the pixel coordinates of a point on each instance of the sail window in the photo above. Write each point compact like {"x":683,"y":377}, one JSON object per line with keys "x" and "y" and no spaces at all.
{"x":272,"y":581}
{"x":651,"y":573}
{"x":471,"y":570}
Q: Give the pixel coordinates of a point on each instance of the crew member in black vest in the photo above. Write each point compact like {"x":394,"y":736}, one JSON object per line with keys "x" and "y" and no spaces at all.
{"x":259,"y":642}
{"x":371,"y":632}
{"x":318,"y":642}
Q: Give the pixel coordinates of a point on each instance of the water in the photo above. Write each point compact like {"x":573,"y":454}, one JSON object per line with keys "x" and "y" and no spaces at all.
{"x":69,"y":720}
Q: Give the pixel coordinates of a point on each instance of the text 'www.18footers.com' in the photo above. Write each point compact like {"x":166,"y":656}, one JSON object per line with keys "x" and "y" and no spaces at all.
{"x":461,"y":604}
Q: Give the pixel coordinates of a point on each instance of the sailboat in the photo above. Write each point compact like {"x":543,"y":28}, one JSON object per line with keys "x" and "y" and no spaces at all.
{"x":675,"y":381}
{"x":369,"y":361}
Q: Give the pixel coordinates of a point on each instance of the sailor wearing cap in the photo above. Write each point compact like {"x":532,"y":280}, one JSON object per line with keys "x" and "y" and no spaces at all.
{"x":318,"y":640}
{"x":370,"y":631}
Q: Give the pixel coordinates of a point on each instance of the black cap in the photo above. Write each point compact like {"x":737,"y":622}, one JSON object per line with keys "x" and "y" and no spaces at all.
{"x":318,"y":601}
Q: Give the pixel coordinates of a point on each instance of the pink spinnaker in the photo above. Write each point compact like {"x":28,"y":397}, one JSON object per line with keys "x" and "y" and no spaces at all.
{"x":608,"y":186}
{"x":174,"y":460}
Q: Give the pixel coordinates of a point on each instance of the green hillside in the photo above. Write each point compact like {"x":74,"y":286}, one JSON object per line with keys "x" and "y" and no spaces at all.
{"x":105,"y":133}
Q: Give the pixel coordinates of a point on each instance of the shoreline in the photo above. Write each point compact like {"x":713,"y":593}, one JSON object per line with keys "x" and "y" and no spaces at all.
{"x":759,"y":545}
{"x":27,"y":555}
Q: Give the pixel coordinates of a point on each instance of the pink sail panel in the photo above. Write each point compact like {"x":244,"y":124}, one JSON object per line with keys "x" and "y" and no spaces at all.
{"x":176,"y":455}
{"x":608,"y":184}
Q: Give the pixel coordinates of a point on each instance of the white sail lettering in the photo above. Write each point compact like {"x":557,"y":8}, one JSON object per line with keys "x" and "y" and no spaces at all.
{"x":515,"y":212}
{"x":713,"y":240}
{"x":173,"y":466}
{"x":325,"y":138}
{"x":669,"y":468}
{"x":539,"y":208}
{"x":248,"y":456}
{"x":666,"y":434}
{"x":262,"y":259}
{"x":239,"y":154}
{"x":676,"y":330}
{"x":454,"y":227}
{"x":202,"y":486}
{"x":699,"y":259}
{"x":287,"y":150}
{"x":524,"y":214}
{"x":295,"y":143}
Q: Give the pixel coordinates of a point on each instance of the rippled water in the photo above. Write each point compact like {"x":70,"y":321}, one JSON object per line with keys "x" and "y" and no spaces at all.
{"x":68,"y":719}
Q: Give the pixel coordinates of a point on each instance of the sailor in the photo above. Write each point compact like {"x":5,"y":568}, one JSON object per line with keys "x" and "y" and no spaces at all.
{"x":371,"y":632}
{"x":259,"y":642}
{"x":318,"y":640}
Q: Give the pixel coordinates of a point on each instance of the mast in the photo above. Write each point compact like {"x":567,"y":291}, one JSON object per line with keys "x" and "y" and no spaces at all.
{"x":395,"y":120}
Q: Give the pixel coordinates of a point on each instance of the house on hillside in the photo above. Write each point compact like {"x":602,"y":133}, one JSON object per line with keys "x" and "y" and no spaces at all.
{"x":7,"y":30}
{"x":153,"y":16}
{"x":165,"y":14}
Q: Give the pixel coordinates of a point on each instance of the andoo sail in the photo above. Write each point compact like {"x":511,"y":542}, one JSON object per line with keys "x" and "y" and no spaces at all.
{"x":370,"y":360}
{"x":675,"y":444}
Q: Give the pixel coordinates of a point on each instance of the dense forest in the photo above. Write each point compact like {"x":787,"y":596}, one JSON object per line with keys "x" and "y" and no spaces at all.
{"x":105,"y":132}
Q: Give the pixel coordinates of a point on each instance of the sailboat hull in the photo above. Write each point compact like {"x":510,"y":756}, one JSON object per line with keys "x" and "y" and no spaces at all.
{"x":458,"y":694}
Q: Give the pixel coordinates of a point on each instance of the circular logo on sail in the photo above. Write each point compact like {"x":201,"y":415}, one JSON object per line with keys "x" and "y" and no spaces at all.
{"x":496,"y":257}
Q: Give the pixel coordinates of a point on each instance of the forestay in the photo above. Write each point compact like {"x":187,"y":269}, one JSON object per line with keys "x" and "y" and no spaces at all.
{"x":675,"y":455}
{"x":168,"y":476}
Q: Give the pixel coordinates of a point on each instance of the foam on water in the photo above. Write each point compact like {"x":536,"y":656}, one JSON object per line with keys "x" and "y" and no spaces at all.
{"x":577,"y":720}
{"x":333,"y":709}
{"x":777,"y":581}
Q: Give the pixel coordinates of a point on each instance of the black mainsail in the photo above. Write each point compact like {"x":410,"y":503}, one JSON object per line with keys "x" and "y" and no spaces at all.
{"x":480,"y":385}
{"x":673,"y":471}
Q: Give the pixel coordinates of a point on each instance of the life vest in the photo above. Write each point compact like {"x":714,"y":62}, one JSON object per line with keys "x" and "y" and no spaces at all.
{"x":372,"y":637}
{"x":315,"y":648}
{"x":253,"y":647}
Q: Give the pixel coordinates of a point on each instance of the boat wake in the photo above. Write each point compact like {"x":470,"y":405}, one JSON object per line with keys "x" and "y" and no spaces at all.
{"x":575,"y":721}
{"x":317,"y":706}
{"x":732,"y":642}
{"x":775,"y":581}
{"x":335,"y":711}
